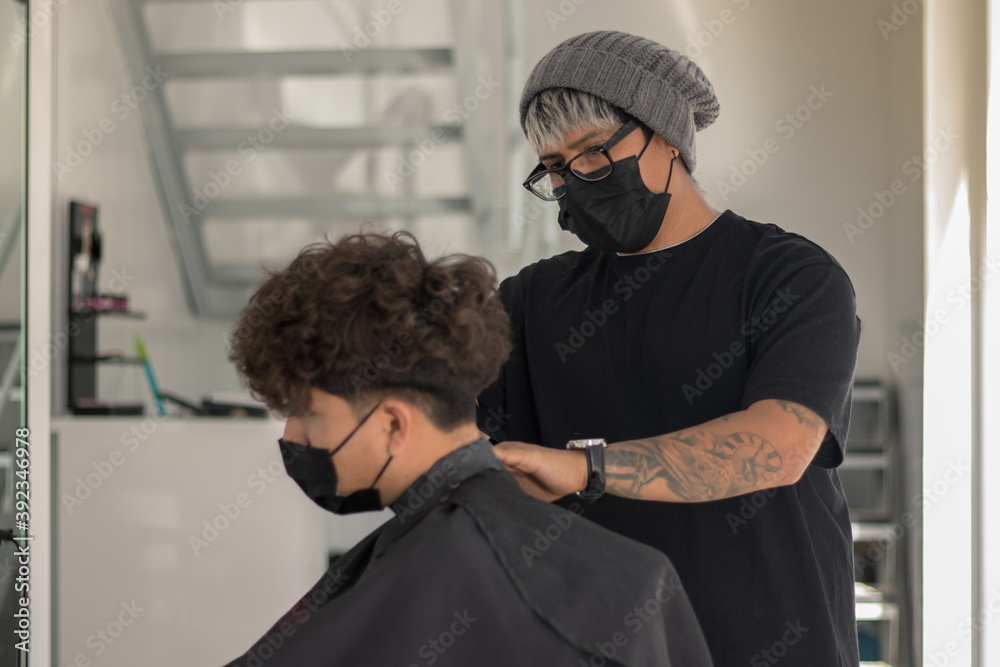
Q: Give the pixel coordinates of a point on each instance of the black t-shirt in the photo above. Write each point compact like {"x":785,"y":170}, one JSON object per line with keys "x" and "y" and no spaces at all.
{"x":628,"y":347}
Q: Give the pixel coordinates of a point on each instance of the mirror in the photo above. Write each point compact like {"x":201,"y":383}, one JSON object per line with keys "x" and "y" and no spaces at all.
{"x":13,"y":57}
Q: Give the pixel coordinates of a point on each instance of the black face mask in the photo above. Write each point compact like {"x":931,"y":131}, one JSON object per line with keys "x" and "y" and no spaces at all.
{"x":617,"y":213}
{"x":312,"y":469}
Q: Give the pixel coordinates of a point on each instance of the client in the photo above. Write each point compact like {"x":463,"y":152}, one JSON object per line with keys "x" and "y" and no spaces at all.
{"x":375,"y":355}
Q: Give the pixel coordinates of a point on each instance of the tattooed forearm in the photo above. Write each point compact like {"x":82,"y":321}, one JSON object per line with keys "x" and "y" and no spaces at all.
{"x":694,"y":465}
{"x":725,"y":457}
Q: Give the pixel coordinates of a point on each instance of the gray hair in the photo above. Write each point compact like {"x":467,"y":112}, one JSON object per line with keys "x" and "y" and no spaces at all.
{"x":554,"y":112}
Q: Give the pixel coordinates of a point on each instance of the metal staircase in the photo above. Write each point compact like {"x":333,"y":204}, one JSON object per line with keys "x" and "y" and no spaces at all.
{"x":273,"y":122}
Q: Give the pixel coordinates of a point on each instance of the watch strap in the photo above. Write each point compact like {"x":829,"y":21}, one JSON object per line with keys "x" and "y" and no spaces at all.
{"x":594,"y":449}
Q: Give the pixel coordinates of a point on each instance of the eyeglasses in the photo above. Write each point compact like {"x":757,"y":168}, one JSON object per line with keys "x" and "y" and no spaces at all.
{"x":591,"y":165}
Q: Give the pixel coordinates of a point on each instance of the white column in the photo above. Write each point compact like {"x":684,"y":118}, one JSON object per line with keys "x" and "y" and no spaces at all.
{"x":955,"y":82}
{"x":990,"y":614}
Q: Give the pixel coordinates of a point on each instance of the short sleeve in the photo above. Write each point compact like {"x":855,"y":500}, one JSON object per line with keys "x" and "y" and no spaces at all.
{"x":802,"y":333}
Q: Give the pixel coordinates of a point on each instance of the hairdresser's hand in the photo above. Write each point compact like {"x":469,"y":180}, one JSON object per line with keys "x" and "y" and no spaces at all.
{"x":543,"y":472}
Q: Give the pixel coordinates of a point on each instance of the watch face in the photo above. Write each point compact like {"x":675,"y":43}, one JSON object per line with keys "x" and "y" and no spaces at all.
{"x":585,"y":443}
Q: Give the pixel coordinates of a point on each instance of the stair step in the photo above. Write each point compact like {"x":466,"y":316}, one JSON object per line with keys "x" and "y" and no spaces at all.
{"x":235,"y":275}
{"x":867,"y":461}
{"x":314,"y":137}
{"x":292,"y":63}
{"x":350,"y":207}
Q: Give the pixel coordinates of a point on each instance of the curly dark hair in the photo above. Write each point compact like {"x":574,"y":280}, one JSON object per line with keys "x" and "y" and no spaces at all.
{"x":367,"y":317}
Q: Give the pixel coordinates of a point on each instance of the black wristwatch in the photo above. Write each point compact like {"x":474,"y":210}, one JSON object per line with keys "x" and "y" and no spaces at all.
{"x":595,"y":466}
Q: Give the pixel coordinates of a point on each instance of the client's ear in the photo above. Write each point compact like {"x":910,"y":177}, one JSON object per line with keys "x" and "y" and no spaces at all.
{"x":401,"y":423}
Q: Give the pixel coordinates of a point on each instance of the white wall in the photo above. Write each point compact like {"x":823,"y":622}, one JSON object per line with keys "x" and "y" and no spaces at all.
{"x":192,"y":525}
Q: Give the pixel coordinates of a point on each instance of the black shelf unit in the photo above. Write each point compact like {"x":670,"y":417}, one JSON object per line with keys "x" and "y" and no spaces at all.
{"x":84,"y":360}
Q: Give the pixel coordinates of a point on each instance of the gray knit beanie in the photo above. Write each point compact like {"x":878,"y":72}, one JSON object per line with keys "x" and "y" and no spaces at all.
{"x":657,"y":85}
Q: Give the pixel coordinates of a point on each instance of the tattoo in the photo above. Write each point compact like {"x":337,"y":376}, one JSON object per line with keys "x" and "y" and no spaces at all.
{"x":802,"y":414}
{"x":694,"y":465}
{"x":810,"y":420}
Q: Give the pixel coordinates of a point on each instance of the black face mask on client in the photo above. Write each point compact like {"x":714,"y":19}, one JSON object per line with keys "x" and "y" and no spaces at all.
{"x":312,"y":469}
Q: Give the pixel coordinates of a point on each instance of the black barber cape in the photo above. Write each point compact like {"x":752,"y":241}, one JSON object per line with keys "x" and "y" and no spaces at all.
{"x":474,"y":572}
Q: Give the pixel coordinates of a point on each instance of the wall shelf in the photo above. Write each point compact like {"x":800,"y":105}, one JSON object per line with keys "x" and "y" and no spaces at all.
{"x":139,"y":315}
{"x":106,"y":360}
